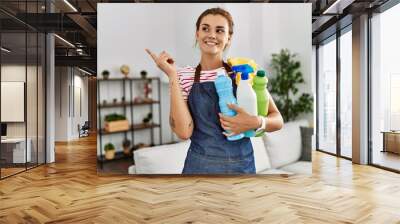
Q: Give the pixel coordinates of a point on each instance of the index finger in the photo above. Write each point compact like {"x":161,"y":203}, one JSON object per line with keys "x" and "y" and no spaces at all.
{"x":154,"y":56}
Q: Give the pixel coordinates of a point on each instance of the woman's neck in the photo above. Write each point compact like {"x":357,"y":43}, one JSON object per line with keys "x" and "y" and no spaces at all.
{"x":211,"y":62}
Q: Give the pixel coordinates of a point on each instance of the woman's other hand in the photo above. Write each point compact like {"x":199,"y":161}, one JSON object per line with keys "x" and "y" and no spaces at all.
{"x":165,"y":62}
{"x":242,"y":122}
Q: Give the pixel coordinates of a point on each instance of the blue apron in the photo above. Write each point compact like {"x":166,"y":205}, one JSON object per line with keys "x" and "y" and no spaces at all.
{"x":210,"y":152}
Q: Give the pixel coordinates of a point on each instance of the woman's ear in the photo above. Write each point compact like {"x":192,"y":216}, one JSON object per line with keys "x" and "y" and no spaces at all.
{"x":196,"y":35}
{"x":228,"y":44}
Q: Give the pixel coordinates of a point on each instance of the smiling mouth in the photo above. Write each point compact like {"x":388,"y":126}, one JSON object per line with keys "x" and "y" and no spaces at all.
{"x":211,"y":43}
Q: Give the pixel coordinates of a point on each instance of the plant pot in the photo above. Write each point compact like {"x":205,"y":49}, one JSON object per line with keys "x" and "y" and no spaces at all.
{"x":113,"y":126}
{"x":106,"y":76}
{"x":110,"y":154}
{"x":143,"y":74}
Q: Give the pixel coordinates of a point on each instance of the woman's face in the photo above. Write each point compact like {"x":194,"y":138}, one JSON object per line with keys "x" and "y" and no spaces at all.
{"x":213,"y":34}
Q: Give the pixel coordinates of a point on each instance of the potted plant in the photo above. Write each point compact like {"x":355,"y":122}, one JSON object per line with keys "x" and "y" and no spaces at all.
{"x":125,"y":70}
{"x":109,"y":148}
{"x":148,"y":118}
{"x":115,"y":122}
{"x":284,"y":87}
{"x":143,"y":74}
{"x":105,"y":74}
{"x":126,"y":145}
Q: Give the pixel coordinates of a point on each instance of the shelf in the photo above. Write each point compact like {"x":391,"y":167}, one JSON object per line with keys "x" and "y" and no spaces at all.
{"x":128,"y":79}
{"x":118,"y":156}
{"x":134,"y":127}
{"x":127,"y":104}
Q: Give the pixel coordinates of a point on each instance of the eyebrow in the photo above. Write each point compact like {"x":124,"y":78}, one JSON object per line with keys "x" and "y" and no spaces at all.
{"x":205,"y":24}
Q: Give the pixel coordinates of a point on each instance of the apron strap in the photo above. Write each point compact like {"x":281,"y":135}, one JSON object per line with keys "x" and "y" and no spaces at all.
{"x":226,"y":66}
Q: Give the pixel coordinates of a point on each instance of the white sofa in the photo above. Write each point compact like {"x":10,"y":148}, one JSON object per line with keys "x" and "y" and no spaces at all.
{"x":275,"y":153}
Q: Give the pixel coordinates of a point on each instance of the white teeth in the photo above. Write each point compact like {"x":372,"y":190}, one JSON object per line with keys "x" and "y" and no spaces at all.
{"x":210,"y":43}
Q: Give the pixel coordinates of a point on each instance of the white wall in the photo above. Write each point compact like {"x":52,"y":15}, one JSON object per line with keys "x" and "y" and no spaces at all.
{"x":68,"y":82}
{"x":17,"y":73}
{"x":125,"y":30}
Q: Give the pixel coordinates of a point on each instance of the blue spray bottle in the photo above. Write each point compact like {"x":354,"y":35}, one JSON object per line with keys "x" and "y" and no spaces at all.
{"x":223,"y":85}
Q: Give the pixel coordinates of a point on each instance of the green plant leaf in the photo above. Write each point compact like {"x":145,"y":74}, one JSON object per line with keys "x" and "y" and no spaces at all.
{"x":283,"y":86}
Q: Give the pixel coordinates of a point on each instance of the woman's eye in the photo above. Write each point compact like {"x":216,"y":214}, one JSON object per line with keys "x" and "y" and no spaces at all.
{"x":205,"y":28}
{"x":220,"y":31}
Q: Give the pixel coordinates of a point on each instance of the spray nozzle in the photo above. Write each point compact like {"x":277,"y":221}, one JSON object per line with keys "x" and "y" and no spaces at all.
{"x":244,"y":70}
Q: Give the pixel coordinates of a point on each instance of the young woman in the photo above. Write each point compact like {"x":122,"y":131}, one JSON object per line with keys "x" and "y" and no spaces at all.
{"x":195,"y":111}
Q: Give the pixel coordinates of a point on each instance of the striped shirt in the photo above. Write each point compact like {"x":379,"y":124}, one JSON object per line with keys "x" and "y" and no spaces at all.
{"x":186,"y":78}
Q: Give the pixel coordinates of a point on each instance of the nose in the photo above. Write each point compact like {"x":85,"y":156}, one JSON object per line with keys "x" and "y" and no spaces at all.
{"x":212,"y":34}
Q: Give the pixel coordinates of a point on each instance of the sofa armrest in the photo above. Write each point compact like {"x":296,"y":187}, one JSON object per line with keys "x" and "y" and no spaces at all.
{"x":132,"y":169}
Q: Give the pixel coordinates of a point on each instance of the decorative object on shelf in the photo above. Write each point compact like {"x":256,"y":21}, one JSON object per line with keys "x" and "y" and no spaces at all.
{"x":125,"y":70}
{"x":104,"y":102}
{"x":138,"y":99}
{"x":126,"y":145}
{"x":140,"y":145}
{"x":143,"y":74}
{"x":147,"y":100}
{"x":105,"y":74}
{"x":115,"y":122}
{"x":147,"y":90}
{"x":115,"y":100}
{"x":123,"y":99}
{"x":109,"y":148}
{"x":148,"y":118}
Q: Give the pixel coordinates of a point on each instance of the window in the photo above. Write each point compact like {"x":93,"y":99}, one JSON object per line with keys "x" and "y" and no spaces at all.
{"x":346,"y":94}
{"x":327,"y":97}
{"x":385,"y":86}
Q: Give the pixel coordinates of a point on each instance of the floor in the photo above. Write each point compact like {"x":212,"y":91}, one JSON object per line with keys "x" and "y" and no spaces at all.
{"x":71,"y":191}
{"x":387,"y":159}
{"x":10,"y":169}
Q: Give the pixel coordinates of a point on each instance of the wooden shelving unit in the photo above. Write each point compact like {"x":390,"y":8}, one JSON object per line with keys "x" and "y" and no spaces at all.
{"x":134,"y":127}
{"x":127,"y":84}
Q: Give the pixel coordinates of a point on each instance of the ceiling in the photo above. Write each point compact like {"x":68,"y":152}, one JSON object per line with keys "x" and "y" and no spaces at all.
{"x":76,"y":22}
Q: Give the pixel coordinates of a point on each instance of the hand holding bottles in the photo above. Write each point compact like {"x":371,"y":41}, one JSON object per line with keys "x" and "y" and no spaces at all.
{"x":240,"y":123}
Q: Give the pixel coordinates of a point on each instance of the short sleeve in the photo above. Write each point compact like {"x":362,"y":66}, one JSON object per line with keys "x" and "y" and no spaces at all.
{"x":186,"y":79}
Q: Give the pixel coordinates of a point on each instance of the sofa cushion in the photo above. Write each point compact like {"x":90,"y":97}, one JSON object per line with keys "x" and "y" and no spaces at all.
{"x":162,"y":159}
{"x":170,"y":159}
{"x":260,"y":154}
{"x":284,"y":146}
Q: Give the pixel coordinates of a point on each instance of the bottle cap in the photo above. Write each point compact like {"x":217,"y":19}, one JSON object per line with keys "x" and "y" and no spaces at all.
{"x":261,"y":73}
